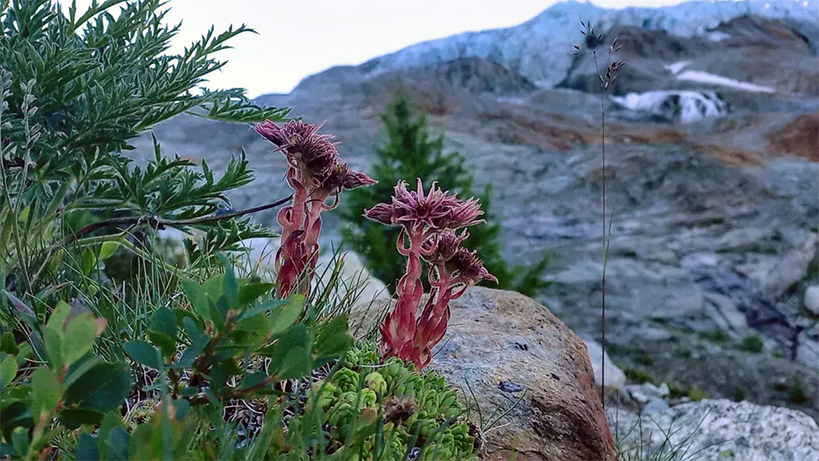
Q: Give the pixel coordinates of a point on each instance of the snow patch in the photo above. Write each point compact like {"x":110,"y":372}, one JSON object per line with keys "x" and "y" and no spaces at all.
{"x":718,"y":36}
{"x":705,"y":77}
{"x":676,"y":67}
{"x":678,"y":106}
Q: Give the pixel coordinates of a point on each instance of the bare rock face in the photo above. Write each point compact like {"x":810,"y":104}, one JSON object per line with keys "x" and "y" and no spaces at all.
{"x":515,"y":359}
{"x":720,"y":429}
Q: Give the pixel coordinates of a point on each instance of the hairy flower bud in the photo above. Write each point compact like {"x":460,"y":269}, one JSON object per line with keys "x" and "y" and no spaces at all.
{"x":382,"y":213}
{"x":354,"y":179}
{"x":467,"y":268}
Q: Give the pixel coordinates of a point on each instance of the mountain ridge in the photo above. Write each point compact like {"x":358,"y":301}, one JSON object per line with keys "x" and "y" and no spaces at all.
{"x":521,"y":48}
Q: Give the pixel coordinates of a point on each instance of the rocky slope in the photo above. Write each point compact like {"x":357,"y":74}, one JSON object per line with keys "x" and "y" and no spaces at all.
{"x":711,"y":180}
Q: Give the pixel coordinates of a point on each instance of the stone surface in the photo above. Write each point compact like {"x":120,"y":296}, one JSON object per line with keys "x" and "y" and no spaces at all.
{"x":615,"y":378}
{"x":546,"y":389}
{"x":721,"y":430}
{"x":355,"y":279}
{"x":811,"y":300}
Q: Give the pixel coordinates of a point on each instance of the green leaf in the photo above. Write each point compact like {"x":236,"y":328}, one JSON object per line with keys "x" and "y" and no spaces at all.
{"x":86,"y":448}
{"x":79,"y":338}
{"x":8,"y":370}
{"x":45,"y":392}
{"x":295,"y":337}
{"x":252,"y":379}
{"x":164,"y":342}
{"x":14,"y":414}
{"x":164,"y":321}
{"x":214,"y":287}
{"x":333,"y":339}
{"x":89,"y":260}
{"x":108,"y":249}
{"x":183,"y":407}
{"x":197,"y":298}
{"x":109,"y":422}
{"x":57,"y":320}
{"x":79,"y":368}
{"x":197,"y":345}
{"x":73,"y":418}
{"x":143,"y":353}
{"x":252,"y":291}
{"x":117,"y":444}
{"x":231,"y":286}
{"x":218,"y":317}
{"x":250,"y":332}
{"x":288,"y":314}
{"x":102,"y":388}
{"x":260,"y":309}
{"x":296,"y":364}
{"x":8,"y":344}
{"x":19,"y":439}
{"x":53,"y":346}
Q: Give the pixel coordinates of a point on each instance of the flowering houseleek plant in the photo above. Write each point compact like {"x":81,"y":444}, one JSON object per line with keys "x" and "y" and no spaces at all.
{"x":430,"y":224}
{"x":316,"y":173}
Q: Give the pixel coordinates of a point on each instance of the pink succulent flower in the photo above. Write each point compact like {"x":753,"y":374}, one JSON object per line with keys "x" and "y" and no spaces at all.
{"x":429,"y":222}
{"x":315,"y":172}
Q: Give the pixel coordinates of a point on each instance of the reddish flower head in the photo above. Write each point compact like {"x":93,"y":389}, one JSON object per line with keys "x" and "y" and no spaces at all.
{"x":304,"y":148}
{"x":418,"y":210}
{"x":466,"y":267}
{"x":445,"y":246}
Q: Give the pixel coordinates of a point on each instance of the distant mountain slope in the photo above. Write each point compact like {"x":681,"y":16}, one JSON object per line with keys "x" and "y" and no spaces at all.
{"x":537,"y":48}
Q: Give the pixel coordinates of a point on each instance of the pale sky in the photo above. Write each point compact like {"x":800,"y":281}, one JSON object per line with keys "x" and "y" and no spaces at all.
{"x":297,"y":38}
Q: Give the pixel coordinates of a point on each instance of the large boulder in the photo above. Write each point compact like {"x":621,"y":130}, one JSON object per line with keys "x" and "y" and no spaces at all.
{"x":719,"y":430}
{"x":526,"y":377}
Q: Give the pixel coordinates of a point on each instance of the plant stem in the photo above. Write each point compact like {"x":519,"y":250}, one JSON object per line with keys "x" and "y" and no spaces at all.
{"x":155,"y":221}
{"x":605,"y":241}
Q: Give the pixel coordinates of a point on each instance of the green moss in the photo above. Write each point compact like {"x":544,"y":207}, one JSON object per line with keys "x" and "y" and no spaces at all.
{"x":719,"y":337}
{"x":797,"y":392}
{"x":752,"y":343}
{"x":638,"y":376}
{"x":693,"y":392}
{"x":739,"y":394}
{"x":643,"y":358}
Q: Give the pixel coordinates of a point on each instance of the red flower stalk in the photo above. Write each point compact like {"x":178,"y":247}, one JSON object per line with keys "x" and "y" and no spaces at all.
{"x":315,"y":172}
{"x":428,"y":222}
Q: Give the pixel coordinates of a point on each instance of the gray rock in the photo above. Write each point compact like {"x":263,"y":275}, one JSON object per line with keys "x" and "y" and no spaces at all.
{"x":811,"y":299}
{"x":655,"y":406}
{"x":646,"y":392}
{"x":615,"y":378}
{"x":720,"y":429}
{"x":790,"y":269}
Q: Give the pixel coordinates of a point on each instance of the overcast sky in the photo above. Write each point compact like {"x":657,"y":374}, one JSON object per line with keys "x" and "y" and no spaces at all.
{"x":297,"y":38}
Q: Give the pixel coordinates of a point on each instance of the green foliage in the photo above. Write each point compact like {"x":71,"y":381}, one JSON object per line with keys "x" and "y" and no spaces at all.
{"x":693,"y":392}
{"x":74,"y":387}
{"x":719,"y":337}
{"x":637,"y":376}
{"x":388,"y":412}
{"x":409,"y":152}
{"x":795,"y":390}
{"x":74,"y":90}
{"x":752,"y":343}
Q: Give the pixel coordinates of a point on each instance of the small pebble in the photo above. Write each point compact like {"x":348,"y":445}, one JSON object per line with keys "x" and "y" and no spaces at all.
{"x":510,"y":386}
